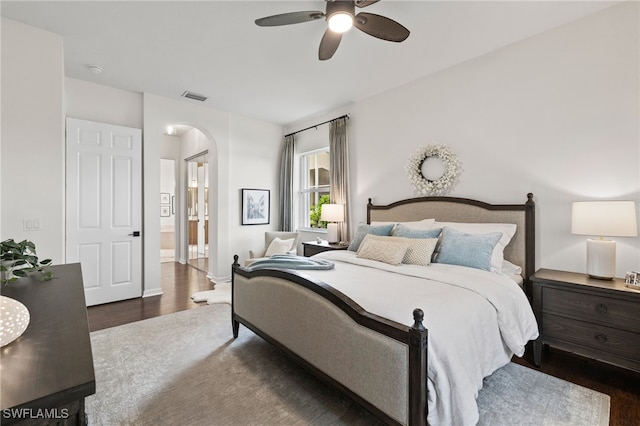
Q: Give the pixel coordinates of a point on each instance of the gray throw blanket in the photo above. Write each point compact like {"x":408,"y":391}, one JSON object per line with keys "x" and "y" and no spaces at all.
{"x":290,"y":261}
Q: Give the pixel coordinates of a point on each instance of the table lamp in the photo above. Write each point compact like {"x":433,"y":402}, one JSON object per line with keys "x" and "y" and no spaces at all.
{"x":603,"y":218}
{"x":332,"y":213}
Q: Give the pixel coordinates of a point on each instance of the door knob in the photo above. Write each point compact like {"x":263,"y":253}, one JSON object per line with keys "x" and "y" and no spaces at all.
{"x":135,"y":234}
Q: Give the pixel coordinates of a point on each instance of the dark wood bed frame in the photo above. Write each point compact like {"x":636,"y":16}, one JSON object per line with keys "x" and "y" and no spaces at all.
{"x":415,"y":337}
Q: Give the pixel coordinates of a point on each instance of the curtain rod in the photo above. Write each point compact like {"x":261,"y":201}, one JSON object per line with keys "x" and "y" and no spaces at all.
{"x":316,"y":126}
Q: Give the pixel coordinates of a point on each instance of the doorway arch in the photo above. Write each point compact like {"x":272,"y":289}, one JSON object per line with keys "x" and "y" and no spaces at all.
{"x":158,"y":113}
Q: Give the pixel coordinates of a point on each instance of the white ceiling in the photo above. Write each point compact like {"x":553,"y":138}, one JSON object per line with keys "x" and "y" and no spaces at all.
{"x":273,"y":74}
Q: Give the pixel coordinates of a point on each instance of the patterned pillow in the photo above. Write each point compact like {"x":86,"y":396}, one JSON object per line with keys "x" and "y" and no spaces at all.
{"x":364,"y":229}
{"x":404,"y":231}
{"x":391,"y":252}
{"x":472,"y":250}
{"x":419,"y":250}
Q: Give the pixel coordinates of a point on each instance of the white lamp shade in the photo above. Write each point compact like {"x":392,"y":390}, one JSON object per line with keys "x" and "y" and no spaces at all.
{"x":332,"y":213}
{"x":604,"y":218}
{"x":14,"y":319}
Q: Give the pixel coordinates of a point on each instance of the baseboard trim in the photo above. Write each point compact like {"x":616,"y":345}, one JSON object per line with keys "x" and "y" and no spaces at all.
{"x":224,"y":279}
{"x":154,"y":292}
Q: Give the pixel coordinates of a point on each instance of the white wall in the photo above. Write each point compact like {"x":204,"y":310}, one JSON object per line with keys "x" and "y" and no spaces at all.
{"x":556,"y":115}
{"x":103,"y":104}
{"x":32,"y":147}
{"x":34,"y":93}
{"x":254,"y":150}
{"x":153,"y":114}
{"x":233,"y":143}
{"x":170,"y":147}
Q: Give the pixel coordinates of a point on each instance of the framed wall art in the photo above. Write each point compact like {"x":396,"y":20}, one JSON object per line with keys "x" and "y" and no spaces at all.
{"x":255,"y":206}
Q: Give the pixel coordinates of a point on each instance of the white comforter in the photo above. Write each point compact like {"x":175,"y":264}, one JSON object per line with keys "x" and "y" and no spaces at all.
{"x":476,"y":319}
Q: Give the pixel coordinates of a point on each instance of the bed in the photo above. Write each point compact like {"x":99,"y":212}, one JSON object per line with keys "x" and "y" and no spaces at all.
{"x":411,"y":343}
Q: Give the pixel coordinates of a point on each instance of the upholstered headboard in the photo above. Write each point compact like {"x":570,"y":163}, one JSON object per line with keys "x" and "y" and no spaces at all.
{"x":521,"y":249}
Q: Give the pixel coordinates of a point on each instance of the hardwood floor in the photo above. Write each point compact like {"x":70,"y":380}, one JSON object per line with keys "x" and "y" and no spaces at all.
{"x":179,"y":282}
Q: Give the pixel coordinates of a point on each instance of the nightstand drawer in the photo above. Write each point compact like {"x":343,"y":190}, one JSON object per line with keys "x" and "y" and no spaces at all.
{"x":593,"y":308}
{"x":609,"y":340}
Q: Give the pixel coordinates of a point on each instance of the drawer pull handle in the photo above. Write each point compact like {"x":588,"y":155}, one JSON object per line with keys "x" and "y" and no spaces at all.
{"x":601,"y":309}
{"x":600,"y":337}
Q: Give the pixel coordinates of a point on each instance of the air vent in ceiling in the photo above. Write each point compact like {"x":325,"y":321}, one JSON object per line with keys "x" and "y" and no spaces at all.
{"x":194,"y":96}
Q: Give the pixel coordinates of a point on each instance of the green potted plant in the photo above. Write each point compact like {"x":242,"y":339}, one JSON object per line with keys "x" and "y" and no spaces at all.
{"x":19,"y":260}
{"x":316,"y":211}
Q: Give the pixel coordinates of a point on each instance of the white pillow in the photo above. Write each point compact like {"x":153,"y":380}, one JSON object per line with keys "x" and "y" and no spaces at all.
{"x":391,"y":252}
{"x":507,"y":230}
{"x":510,"y":268}
{"x":420,"y":224}
{"x":278,"y":246}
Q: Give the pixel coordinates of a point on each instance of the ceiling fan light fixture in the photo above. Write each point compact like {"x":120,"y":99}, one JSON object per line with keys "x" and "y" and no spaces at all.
{"x":340,"y":22}
{"x":340,"y":15}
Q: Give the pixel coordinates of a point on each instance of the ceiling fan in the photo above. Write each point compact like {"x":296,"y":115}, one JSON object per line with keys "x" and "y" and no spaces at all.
{"x":340,"y":16}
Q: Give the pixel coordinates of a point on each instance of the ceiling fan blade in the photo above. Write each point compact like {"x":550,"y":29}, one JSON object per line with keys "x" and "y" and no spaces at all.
{"x":380,"y":27}
{"x":289,"y":18}
{"x":329,"y":44}
{"x":365,"y":3}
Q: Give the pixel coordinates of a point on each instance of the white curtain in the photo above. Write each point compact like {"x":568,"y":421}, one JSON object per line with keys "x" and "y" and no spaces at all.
{"x":339,"y":165}
{"x":285,"y":220}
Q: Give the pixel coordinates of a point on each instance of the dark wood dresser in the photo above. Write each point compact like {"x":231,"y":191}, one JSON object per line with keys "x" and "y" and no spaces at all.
{"x":48,"y":371}
{"x":599,"y":319}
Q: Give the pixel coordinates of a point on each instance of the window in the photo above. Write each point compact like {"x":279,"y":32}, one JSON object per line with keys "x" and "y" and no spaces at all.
{"x":314,"y":187}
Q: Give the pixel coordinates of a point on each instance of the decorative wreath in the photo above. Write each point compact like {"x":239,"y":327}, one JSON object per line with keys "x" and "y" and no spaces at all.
{"x":441,"y":185}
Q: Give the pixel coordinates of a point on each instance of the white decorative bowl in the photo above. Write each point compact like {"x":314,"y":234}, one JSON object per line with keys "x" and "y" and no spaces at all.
{"x":14,"y":319}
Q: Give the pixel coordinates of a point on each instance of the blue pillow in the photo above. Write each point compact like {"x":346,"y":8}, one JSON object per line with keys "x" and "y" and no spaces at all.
{"x":404,"y":231}
{"x":364,"y":229}
{"x":471,"y":250}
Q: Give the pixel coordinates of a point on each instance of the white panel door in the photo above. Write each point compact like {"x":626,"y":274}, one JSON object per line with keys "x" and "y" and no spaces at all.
{"x":104,"y":208}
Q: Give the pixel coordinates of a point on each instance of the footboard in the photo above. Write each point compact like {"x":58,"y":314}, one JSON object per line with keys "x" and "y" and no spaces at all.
{"x":380,"y":364}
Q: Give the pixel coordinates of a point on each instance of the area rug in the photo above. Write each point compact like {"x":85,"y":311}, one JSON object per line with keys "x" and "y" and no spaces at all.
{"x":186,"y":369}
{"x":220,"y":294}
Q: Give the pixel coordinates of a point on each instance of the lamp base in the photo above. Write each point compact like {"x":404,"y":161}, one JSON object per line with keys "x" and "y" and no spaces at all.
{"x":332,"y":232}
{"x":601,"y":259}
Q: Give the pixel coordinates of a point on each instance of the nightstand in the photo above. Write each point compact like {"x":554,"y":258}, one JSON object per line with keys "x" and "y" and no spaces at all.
{"x":310,"y":248}
{"x":598,"y":319}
